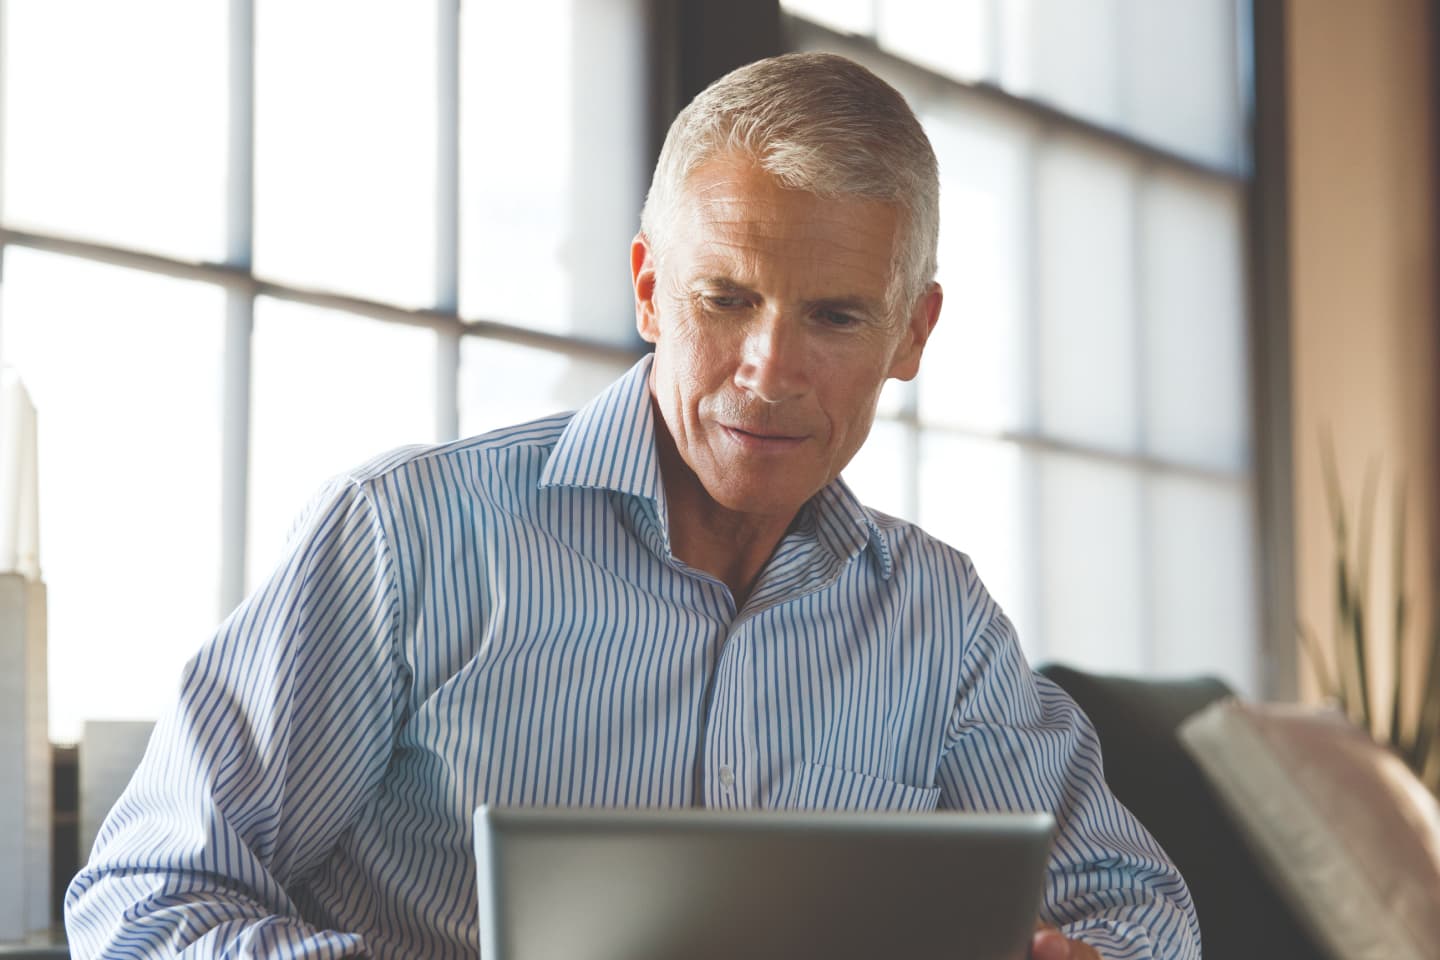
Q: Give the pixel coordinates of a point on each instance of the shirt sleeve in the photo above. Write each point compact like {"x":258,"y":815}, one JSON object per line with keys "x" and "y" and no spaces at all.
{"x":281,"y":732}
{"x":1016,"y":741}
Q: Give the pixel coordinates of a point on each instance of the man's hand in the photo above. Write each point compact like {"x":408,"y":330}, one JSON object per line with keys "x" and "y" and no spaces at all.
{"x":1050,"y":944}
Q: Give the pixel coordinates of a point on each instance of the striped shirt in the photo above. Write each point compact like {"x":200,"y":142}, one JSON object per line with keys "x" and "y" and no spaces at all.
{"x":501,"y":620}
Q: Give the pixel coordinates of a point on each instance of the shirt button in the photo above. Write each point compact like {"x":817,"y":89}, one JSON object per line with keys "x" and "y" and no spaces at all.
{"x":727,"y":777}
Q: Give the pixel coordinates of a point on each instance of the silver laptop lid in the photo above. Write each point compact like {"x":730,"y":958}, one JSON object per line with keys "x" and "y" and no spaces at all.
{"x":707,"y":885}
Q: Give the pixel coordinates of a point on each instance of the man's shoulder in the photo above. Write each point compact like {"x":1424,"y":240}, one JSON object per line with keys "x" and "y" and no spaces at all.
{"x":947,"y":572}
{"x":486,"y":456}
{"x":909,"y":543}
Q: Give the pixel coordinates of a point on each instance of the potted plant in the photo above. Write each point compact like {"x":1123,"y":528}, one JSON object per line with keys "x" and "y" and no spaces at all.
{"x":1362,"y":634}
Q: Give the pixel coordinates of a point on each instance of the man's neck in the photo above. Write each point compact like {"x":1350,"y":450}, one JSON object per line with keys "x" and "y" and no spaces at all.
{"x":731,"y":546}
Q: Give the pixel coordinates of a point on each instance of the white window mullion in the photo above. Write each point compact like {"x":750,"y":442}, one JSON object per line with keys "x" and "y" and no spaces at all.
{"x":447,"y":216}
{"x":3,"y":12}
{"x":240,"y":306}
{"x":1145,"y":596}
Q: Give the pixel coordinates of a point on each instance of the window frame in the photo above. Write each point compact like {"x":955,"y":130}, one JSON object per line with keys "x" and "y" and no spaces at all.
{"x":1259,"y":177}
{"x":236,"y":275}
{"x":686,"y":56}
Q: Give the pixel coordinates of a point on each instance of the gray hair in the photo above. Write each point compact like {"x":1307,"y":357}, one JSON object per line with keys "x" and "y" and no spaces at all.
{"x":816,"y":122}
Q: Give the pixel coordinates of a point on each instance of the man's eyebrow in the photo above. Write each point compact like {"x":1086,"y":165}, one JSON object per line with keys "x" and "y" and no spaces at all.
{"x":854,"y":304}
{"x":719,"y":282}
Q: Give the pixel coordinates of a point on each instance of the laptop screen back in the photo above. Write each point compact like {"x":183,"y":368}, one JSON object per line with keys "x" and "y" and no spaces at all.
{"x":704,"y":885}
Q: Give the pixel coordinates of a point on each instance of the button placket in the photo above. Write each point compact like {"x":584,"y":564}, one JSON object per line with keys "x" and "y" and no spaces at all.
{"x":750,"y":760}
{"x":719,"y":758}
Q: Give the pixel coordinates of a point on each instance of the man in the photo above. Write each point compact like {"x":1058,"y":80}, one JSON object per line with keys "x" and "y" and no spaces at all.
{"x":666,"y":599}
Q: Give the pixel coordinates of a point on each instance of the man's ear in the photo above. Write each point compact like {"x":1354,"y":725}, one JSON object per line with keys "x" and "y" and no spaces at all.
{"x":921,"y":323}
{"x":642,"y":278}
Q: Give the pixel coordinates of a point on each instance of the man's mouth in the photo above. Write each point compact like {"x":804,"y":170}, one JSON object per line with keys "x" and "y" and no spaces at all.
{"x":762,"y":441}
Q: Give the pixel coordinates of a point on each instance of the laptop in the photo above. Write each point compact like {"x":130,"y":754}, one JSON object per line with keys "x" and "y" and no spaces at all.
{"x":577,"y":884}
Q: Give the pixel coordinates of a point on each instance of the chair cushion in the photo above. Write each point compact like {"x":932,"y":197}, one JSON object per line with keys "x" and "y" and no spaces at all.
{"x":1349,"y":834}
{"x":1242,"y":913}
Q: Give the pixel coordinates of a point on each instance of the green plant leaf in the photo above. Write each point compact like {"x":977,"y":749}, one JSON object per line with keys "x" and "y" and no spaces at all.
{"x":1423,"y":752}
{"x":1398,"y":646}
{"x":1358,"y":645}
{"x":1344,"y":651}
{"x":1315,"y":653}
{"x":1365,"y":542}
{"x":1362,"y":684}
{"x":1331,"y":474}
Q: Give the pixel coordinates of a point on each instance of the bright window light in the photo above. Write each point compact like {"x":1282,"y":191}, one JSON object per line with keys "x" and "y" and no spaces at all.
{"x":345,"y":114}
{"x":331,"y":391}
{"x":503,"y":384}
{"x":115,"y":122}
{"x":554,"y":178}
{"x":977,"y":369}
{"x":124,"y":369}
{"x":879,"y":472}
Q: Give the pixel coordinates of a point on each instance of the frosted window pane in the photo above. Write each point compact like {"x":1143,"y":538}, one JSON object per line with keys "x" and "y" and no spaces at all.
{"x":502,"y":384}
{"x":976,"y":370}
{"x":345,"y":146}
{"x":1196,"y":385}
{"x":1180,"y":76}
{"x":954,"y":37}
{"x":331,"y":390}
{"x":978,"y":496}
{"x":115,"y":122}
{"x":849,"y":16}
{"x":1086,"y":289}
{"x":896,"y":397}
{"x":125,"y":372}
{"x":1064,"y":52}
{"x":880,"y":472}
{"x":553,"y":179}
{"x":1203,"y":597}
{"x":1093,"y":577}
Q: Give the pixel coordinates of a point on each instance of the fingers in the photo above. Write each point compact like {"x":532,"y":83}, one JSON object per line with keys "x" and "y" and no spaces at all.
{"x":1049,"y":944}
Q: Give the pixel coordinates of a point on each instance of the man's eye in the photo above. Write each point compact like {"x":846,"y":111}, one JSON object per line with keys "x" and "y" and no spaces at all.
{"x":839,"y":320}
{"x":724,"y":302}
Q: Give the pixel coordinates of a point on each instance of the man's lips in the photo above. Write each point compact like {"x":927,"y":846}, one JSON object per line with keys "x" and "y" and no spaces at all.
{"x":766,"y":440}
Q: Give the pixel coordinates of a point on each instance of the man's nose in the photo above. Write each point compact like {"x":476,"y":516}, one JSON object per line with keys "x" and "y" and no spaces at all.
{"x":772,"y":365}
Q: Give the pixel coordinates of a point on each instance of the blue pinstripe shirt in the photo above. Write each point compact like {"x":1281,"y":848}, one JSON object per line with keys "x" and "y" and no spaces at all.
{"x":501,"y":620}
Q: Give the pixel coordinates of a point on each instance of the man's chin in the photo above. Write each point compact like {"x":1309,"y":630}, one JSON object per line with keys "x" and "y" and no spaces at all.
{"x":759,"y":498}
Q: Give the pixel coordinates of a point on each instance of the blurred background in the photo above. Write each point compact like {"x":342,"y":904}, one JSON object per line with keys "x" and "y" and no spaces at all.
{"x":249,"y":244}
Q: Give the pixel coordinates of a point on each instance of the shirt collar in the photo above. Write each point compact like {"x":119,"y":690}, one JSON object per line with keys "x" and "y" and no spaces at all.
{"x":846,"y":526}
{"x":610,"y":442}
{"x":610,"y":445}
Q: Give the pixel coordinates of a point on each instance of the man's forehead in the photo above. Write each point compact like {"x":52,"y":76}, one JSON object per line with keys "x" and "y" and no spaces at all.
{"x":738,"y":225}
{"x":825,"y":263}
{"x":719,"y":263}
{"x":728,"y":183}
{"x":722,"y":227}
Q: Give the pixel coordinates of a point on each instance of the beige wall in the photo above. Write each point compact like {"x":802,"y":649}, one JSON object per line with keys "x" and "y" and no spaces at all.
{"x":1363,"y":261}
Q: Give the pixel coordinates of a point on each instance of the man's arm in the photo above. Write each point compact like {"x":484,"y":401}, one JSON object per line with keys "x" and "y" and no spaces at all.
{"x":1017,"y":742}
{"x":281,"y":732}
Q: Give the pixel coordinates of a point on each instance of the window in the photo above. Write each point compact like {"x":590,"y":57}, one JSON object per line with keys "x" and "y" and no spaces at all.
{"x":123,"y":367}
{"x":249,"y":245}
{"x":1081,"y":424}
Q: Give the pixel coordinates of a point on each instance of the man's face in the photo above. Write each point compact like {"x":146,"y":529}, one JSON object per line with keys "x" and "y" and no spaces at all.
{"x":768,"y":312}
